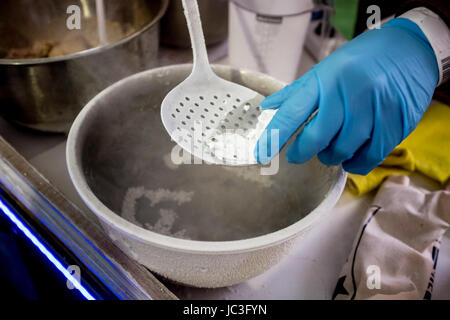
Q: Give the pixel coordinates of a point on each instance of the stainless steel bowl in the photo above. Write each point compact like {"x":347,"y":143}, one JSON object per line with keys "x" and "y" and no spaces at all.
{"x":47,"y":93}
{"x":201,"y":225}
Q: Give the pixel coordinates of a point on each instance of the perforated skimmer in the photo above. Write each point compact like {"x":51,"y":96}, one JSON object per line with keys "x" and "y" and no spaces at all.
{"x":215,"y":120}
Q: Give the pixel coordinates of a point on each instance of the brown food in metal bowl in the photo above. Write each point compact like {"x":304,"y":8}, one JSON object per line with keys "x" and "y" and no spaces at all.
{"x":38,"y":50}
{"x":47,"y":93}
{"x":74,"y":41}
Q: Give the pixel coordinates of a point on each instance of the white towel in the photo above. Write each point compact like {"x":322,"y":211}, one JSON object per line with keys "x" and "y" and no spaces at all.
{"x":395,"y":253}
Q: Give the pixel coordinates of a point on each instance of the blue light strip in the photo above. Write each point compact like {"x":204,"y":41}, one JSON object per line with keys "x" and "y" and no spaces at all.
{"x":7,"y":211}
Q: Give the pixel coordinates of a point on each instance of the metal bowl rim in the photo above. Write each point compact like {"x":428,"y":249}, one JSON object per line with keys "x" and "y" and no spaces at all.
{"x":90,"y":51}
{"x":140,"y":234}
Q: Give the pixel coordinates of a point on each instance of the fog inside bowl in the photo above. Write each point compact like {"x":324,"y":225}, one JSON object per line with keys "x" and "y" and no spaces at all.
{"x":126,"y":157}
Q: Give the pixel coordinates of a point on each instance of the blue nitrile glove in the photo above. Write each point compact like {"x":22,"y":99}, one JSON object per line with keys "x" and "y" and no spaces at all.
{"x":370,"y":95}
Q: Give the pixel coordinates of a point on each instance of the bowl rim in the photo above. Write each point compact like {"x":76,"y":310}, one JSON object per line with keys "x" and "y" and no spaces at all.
{"x":99,"y":49}
{"x":140,"y":234}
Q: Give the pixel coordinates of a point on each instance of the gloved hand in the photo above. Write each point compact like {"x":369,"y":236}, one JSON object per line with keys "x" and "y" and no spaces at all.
{"x":370,"y":95}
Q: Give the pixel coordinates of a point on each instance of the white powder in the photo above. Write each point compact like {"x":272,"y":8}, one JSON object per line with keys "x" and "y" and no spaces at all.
{"x":167,"y":216}
{"x":165,"y":224}
{"x":251,"y":174}
{"x":235,"y":146}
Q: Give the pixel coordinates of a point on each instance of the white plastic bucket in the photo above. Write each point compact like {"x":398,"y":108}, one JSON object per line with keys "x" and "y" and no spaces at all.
{"x":268,"y":36}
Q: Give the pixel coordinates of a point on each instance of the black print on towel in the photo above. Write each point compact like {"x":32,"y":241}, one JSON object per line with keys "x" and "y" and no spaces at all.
{"x":434,"y":255}
{"x":340,"y":289}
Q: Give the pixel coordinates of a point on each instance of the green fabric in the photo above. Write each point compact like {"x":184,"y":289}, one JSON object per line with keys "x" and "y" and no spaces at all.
{"x":345,"y":18}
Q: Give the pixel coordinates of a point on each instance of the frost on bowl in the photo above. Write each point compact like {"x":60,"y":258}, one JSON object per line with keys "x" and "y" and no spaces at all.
{"x":127,"y":164}
{"x":119,"y":158}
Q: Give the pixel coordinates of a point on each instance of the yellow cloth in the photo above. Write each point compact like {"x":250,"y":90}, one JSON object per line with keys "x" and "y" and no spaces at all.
{"x":426,"y":150}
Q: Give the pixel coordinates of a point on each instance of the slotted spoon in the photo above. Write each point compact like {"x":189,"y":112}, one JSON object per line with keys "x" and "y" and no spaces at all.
{"x":215,"y":120}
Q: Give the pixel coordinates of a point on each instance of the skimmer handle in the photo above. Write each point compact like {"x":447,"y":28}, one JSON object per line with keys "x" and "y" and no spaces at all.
{"x":200,"y":55}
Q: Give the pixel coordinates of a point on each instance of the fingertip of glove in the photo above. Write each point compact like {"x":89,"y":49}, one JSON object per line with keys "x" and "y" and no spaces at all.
{"x":262,"y":159}
{"x":292,"y":156}
{"x":328,"y":159}
{"x":256,"y":154}
{"x":275,"y":99}
{"x":264,"y":156}
{"x":290,"y":159}
{"x":351,"y":168}
{"x":268,"y":104}
{"x":325,"y":159}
